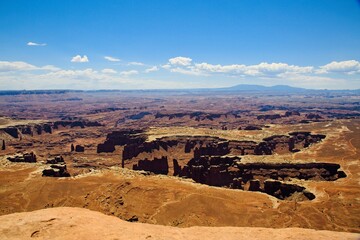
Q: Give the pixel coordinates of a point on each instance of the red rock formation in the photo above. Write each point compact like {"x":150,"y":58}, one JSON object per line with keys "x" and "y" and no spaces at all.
{"x":292,"y":113}
{"x":79,"y":148}
{"x":157,"y":166}
{"x":252,"y":127}
{"x":268,"y":117}
{"x":12,"y":131}
{"x":55,"y":160}
{"x":56,"y":170}
{"x":26,"y":157}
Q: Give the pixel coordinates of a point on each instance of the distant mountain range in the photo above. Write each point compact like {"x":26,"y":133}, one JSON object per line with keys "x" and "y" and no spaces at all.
{"x":282,"y":89}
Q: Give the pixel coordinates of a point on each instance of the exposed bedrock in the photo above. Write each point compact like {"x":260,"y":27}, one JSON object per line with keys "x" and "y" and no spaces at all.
{"x":291,"y":113}
{"x":313,"y":116}
{"x":201,"y":145}
{"x":121,"y":138}
{"x":12,"y":131}
{"x":224,"y":171}
{"x":157,"y":166}
{"x":212,"y":163}
{"x":26,"y":157}
{"x":252,"y":127}
{"x":268,"y":117}
{"x":76,"y":123}
{"x":197,"y":116}
{"x":284,"y":190}
{"x":284,"y":171}
{"x":55,"y":160}
{"x":38,"y":129}
{"x":56,"y":170}
{"x":79,"y":148}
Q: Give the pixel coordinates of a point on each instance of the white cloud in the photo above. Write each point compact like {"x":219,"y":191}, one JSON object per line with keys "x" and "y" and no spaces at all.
{"x":23,"y":75}
{"x":112,"y":59}
{"x":88,"y":72}
{"x":50,"y":68}
{"x":135,"y":64}
{"x":206,"y":67}
{"x":189,"y":71}
{"x":152,"y":69}
{"x":36,"y":44}
{"x":108,"y":70}
{"x":166,"y":66}
{"x":128,"y":73}
{"x":350,"y":67}
{"x":6,"y":66}
{"x":80,"y":59}
{"x":261,"y":69}
{"x":182,"y":61}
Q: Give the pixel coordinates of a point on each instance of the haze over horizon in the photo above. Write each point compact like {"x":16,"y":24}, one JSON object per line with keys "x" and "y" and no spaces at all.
{"x":179,"y":44}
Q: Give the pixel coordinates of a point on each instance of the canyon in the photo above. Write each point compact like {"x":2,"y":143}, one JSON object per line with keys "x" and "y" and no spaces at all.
{"x":230,"y":161}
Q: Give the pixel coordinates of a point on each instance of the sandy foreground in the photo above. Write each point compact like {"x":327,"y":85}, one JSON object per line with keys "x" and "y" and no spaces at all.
{"x":79,"y":223}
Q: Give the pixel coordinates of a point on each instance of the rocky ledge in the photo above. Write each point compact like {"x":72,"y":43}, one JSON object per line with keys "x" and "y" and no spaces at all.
{"x":79,"y":223}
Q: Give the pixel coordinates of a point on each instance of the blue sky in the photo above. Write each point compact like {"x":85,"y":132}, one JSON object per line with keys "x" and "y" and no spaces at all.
{"x":179,"y":44}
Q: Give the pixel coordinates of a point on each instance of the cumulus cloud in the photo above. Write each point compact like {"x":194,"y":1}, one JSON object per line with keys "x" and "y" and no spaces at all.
{"x":50,"y":68}
{"x":166,"y":66}
{"x":128,"y":73}
{"x":261,"y":69}
{"x":108,"y":70}
{"x":80,"y":59}
{"x":350,"y":67}
{"x":188,"y":71}
{"x":182,"y":61}
{"x":112,"y":59}
{"x":135,"y":64}
{"x":36,"y":44}
{"x":152,"y":69}
{"x":206,"y":67}
{"x":88,"y":72}
{"x":6,"y":66}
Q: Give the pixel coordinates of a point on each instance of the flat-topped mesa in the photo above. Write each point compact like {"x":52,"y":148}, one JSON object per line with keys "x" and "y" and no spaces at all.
{"x":47,"y":128}
{"x":210,"y":149}
{"x":40,"y":128}
{"x":157,"y":165}
{"x":268,"y":117}
{"x":26,"y":157}
{"x":227,"y":171}
{"x":79,"y":148}
{"x":197,"y":116}
{"x":202,"y":145}
{"x":121,"y":138}
{"x":285,"y":171}
{"x":76,"y":123}
{"x":55,"y":160}
{"x":252,"y":128}
{"x":282,"y":190}
{"x":291,"y":113}
{"x":211,"y":170}
{"x":313,"y":116}
{"x":205,"y":145}
{"x":284,"y":143}
{"x":56,"y":170}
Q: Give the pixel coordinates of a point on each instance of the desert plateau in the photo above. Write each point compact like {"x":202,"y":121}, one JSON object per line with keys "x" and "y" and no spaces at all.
{"x":181,"y":119}
{"x":230,"y":161}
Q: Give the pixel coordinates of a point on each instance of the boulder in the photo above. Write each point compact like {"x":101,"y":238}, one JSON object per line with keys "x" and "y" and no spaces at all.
{"x":79,"y":148}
